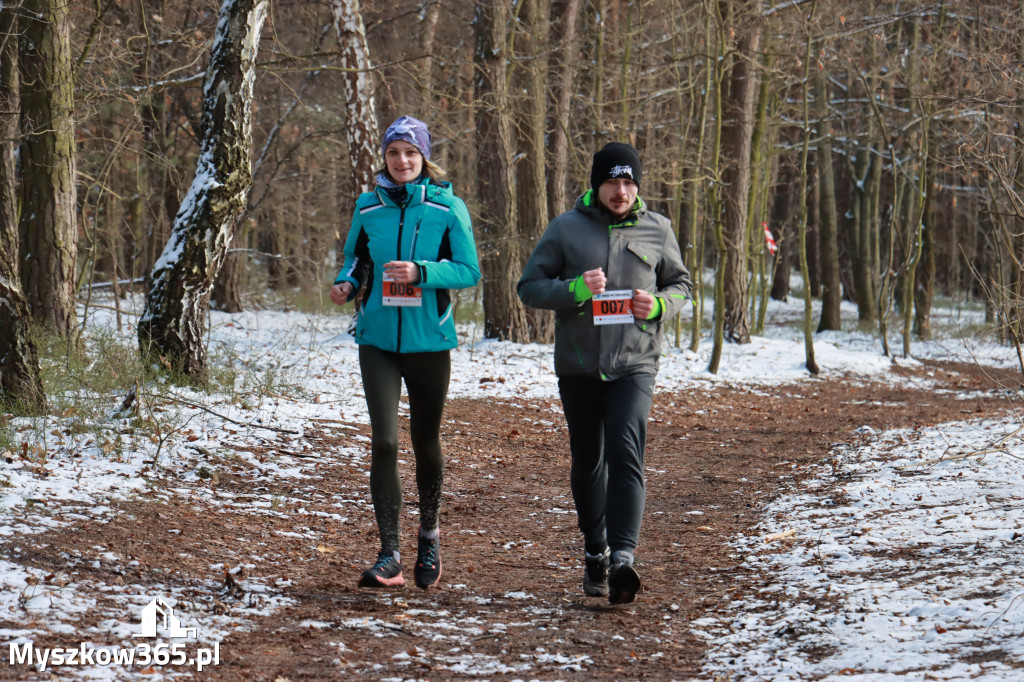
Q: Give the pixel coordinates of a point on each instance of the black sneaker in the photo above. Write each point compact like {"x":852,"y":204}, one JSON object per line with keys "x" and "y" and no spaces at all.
{"x":623,"y":583}
{"x":595,"y":573}
{"x":428,"y":562}
{"x":386,"y":572}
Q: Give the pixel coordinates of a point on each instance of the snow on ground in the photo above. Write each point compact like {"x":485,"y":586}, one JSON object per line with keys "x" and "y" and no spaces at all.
{"x":894,"y":554}
{"x":911,"y":565}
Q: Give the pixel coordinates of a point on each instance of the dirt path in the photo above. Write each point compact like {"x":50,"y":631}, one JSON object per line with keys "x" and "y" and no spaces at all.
{"x":510,"y":603}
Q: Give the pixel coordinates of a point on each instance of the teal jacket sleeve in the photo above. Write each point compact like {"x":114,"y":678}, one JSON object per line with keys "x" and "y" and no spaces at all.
{"x":357,"y":264}
{"x":462,"y":269}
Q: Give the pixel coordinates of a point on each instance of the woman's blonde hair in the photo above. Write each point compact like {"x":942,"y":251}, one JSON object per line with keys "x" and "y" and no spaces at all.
{"x":430,"y":169}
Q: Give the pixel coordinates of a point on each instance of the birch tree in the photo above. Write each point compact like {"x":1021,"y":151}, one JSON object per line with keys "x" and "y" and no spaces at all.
{"x":173,"y":324}
{"x":361,"y":127}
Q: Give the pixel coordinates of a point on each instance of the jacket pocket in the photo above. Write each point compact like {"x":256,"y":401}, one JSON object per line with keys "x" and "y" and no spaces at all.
{"x":637,"y":266}
{"x":647,"y":327}
{"x":646,"y":256}
{"x":445,"y":321}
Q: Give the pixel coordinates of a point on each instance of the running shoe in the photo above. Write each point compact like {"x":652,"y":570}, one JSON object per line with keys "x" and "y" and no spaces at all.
{"x":428,"y":562}
{"x":623,"y":583}
{"x":595,"y":573}
{"x":386,"y":572}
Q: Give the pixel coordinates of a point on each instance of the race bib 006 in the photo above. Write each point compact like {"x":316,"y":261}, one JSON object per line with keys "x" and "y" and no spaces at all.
{"x":613,"y":307}
{"x":401,"y":294}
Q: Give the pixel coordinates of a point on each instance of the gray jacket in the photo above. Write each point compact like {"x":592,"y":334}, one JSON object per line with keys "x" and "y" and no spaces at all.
{"x":639,"y":253}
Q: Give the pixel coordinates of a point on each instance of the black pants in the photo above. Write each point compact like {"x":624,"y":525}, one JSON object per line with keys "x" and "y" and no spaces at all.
{"x":607,"y":435}
{"x":426,"y":377}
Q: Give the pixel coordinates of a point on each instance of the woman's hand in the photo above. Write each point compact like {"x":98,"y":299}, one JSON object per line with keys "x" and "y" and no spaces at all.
{"x":340,"y":293}
{"x":402,"y":271}
{"x":643,"y":304}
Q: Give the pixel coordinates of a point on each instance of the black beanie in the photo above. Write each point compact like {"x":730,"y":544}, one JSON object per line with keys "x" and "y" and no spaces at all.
{"x":615,"y":160}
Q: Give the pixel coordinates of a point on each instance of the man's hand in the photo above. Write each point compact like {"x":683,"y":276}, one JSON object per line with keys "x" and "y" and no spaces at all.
{"x":340,"y":293}
{"x":595,"y":280}
{"x":402,"y":271}
{"x":643,"y":304}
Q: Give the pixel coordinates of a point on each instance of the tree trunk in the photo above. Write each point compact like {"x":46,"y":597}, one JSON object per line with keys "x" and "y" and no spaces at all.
{"x":828,"y":239}
{"x":715,"y":198}
{"x":20,"y":387}
{"x":158,"y":196}
{"x":598,"y":13}
{"x":737,"y":131}
{"x":563,"y":68}
{"x":914,"y":243}
{"x":782,"y":228}
{"x":171,"y":328}
{"x":924,"y":290}
{"x":810,"y":361}
{"x":500,"y":258}
{"x":47,"y":230}
{"x":1015,"y":245}
{"x":531,"y":77}
{"x":761,"y":162}
{"x":361,"y":127}
{"x":428,"y":35}
{"x":867,"y":169}
{"x":813,"y":278}
{"x":690,"y":235}
{"x":227,"y":289}
{"x":9,"y":106}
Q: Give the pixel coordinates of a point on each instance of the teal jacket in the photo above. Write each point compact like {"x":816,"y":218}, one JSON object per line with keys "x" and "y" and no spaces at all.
{"x":433,"y":230}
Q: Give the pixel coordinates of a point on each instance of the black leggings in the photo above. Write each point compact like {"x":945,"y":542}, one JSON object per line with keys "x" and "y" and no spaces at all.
{"x":426,"y":378}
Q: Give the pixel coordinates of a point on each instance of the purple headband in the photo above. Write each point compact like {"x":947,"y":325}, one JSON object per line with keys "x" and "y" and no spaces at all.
{"x":408,"y":129}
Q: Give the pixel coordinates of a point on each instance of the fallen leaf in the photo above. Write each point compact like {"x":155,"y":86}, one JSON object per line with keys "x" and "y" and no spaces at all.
{"x":780,"y":536}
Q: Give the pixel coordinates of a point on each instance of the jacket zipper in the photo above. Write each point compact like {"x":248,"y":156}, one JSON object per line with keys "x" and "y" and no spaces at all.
{"x":401,"y":223}
{"x":415,"y":236}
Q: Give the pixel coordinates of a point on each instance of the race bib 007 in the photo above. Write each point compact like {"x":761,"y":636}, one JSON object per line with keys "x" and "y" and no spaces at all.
{"x":614,"y":307}
{"x":401,"y":294}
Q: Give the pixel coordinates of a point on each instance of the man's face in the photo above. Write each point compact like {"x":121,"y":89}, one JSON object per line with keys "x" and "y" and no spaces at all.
{"x":618,"y":196}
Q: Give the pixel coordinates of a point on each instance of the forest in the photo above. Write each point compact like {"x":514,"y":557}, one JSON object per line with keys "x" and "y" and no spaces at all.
{"x":208,"y":153}
{"x":834,"y":444}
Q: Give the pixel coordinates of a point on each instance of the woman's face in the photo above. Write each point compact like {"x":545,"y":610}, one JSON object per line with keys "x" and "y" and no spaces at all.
{"x":404,"y":161}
